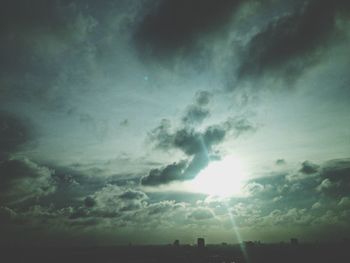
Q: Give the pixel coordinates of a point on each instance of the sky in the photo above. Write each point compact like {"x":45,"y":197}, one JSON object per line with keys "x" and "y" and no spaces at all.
{"x":146,"y":121}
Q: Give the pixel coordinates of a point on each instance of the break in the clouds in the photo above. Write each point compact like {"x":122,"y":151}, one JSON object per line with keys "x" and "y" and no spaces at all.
{"x":197,"y":146}
{"x":155,"y":120}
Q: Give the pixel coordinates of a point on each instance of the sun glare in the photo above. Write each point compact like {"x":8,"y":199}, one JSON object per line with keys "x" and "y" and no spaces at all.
{"x":221,"y":178}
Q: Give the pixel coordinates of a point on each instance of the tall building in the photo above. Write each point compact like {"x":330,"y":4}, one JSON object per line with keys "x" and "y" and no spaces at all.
{"x":200,"y":242}
{"x":294,"y":241}
{"x":176,"y":243}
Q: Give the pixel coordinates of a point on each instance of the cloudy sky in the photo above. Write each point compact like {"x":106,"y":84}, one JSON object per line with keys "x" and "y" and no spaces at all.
{"x":146,"y":121}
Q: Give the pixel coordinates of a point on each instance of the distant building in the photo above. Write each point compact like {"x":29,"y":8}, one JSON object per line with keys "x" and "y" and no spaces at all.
{"x":200,"y":243}
{"x":249,"y":244}
{"x":176,"y":243}
{"x":294,"y":241}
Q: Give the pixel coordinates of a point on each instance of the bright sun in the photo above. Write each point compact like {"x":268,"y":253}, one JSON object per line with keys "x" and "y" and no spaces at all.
{"x":221,"y":178}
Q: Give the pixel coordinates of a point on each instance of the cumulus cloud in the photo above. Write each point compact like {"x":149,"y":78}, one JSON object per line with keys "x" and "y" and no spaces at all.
{"x":111,"y":200}
{"x":304,"y":200}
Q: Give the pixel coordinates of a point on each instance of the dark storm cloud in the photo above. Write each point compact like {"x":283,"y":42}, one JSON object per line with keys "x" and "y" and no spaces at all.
{"x":16,"y":14}
{"x":335,"y":176}
{"x":172,"y":25}
{"x":181,"y":171}
{"x":89,"y":201}
{"x":13,"y":134}
{"x":23,"y":179}
{"x":290,"y":42}
{"x":20,"y":22}
{"x":309,"y":167}
{"x":171,"y":172}
{"x":37,"y":40}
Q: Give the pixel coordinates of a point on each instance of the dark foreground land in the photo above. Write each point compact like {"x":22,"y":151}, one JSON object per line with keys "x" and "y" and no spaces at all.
{"x":211,"y":254}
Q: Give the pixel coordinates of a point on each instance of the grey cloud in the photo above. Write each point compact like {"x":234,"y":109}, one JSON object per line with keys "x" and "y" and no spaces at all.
{"x":198,"y":111}
{"x":344,"y":202}
{"x":288,"y":217}
{"x":89,"y":201}
{"x":172,"y":25}
{"x":289,"y":43}
{"x":112,"y":200}
{"x":36,"y":41}
{"x":309,"y":168}
{"x":335,"y":177}
{"x":295,"y":198}
{"x":195,"y":114}
{"x":133,"y":194}
{"x":195,"y":145}
{"x":163,"y":207}
{"x":181,"y":171}
{"x":161,"y":135}
{"x":14,"y":133}
{"x":316,"y":205}
{"x":255,"y":188}
{"x":165,"y":175}
{"x":280,"y":162}
{"x":22,"y":179}
{"x":124,"y":123}
{"x":201,"y":214}
{"x":203,"y":98}
{"x":190,"y":141}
